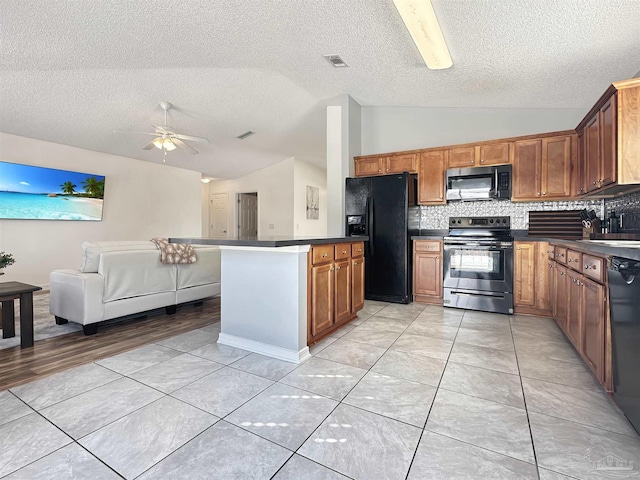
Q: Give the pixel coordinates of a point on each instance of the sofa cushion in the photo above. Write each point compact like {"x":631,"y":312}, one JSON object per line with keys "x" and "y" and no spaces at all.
{"x":91,"y":251}
{"x":135,"y":273}
{"x":205,"y":270}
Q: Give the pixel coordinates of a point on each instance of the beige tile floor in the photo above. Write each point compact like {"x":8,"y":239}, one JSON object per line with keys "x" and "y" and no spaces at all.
{"x":403,"y":392}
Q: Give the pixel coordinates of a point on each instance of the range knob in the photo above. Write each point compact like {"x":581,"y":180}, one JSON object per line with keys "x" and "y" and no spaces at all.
{"x":504,"y":220}
{"x":491,"y":221}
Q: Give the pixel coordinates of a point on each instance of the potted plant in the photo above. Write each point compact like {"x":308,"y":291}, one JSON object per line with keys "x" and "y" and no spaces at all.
{"x":6,"y":259}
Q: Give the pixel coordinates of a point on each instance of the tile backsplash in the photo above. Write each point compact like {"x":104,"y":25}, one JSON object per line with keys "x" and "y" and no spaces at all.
{"x":437,"y":217}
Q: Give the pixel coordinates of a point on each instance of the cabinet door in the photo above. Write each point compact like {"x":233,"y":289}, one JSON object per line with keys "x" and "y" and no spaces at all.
{"x":462,"y":157}
{"x":357,"y":284}
{"x":495,"y":153}
{"x":561,"y":301}
{"x":321,"y":298}
{"x":581,"y":167}
{"x":367,"y":166}
{"x":427,"y":274}
{"x":407,"y":162}
{"x":609,"y":143}
{"x":551,"y":287}
{"x":593,"y":338}
{"x":556,"y":167}
{"x":524,"y":275}
{"x":342,"y":290}
{"x":574,"y":309}
{"x":541,"y":287}
{"x":431,"y":177}
{"x":592,"y":153}
{"x":527,"y":173}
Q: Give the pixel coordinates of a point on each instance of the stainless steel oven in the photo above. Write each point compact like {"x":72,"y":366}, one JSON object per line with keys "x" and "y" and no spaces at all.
{"x":478,"y":264}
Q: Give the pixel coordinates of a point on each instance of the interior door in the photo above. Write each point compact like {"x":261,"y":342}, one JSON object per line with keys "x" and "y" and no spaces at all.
{"x":247,"y":215}
{"x":218,"y":215}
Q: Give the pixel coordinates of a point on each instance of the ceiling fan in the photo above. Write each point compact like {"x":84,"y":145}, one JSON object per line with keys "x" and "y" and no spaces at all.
{"x":167,"y":139}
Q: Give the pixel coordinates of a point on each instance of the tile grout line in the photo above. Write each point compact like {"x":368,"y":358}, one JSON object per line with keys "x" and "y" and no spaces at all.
{"x":524,"y":399}
{"x":434,"y":399}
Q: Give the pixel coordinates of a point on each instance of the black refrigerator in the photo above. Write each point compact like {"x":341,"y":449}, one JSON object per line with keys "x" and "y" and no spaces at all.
{"x":380,"y":207}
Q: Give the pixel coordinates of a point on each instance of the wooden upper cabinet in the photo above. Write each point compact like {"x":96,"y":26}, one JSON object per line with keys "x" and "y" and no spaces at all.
{"x":462,"y":157}
{"x":431,"y":172}
{"x":609,"y":143}
{"x":543,"y":168}
{"x":405,"y":162}
{"x":368,"y":166}
{"x":495,"y":153}
{"x":580,"y":168}
{"x":591,"y":160}
{"x":527,"y":170}
{"x":557,"y":163}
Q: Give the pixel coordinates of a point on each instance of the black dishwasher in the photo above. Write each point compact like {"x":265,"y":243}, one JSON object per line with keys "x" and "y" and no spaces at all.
{"x":624,"y":291}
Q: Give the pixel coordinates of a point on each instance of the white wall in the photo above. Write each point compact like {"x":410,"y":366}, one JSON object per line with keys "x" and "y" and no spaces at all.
{"x":305,"y":174}
{"x":206,"y":204}
{"x":391,"y":129}
{"x":274,"y":185}
{"x":142,"y":200}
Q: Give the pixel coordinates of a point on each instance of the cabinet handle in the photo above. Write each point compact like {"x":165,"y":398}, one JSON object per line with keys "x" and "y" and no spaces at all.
{"x":561,"y":273}
{"x":437,"y":257}
{"x":537,"y":194}
{"x":595,"y":181}
{"x":325,"y":255}
{"x":344,"y":251}
{"x":337,"y":268}
{"x":518,"y":248}
{"x":544,"y":193}
{"x":471,"y":162}
{"x":482,"y":160}
{"x":570,"y":260}
{"x":359,"y":249}
{"x":332,"y":270}
{"x":586,"y":267}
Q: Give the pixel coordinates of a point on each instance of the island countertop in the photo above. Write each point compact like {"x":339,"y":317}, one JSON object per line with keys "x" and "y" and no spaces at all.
{"x":268,"y":241}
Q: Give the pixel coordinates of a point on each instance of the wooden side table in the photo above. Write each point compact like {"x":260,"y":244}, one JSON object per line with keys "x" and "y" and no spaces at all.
{"x":9,"y":291}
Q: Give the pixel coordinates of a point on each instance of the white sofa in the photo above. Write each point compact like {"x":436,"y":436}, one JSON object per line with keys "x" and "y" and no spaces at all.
{"x":117,"y":279}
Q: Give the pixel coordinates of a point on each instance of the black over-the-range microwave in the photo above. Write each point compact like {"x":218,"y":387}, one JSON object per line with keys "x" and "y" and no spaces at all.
{"x":481,"y":183}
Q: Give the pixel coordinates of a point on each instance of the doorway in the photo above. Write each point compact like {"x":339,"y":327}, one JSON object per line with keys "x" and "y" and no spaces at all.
{"x":248,"y":215}
{"x":218,"y":215}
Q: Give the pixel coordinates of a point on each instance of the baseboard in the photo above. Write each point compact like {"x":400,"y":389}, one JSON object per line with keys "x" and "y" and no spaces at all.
{"x":531,"y":311}
{"x":265,"y":349}
{"x":427,"y":299}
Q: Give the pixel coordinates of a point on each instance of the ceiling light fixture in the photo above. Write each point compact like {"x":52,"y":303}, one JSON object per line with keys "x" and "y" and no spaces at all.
{"x":421,"y":21}
{"x":205,"y":180}
{"x":164,"y":143}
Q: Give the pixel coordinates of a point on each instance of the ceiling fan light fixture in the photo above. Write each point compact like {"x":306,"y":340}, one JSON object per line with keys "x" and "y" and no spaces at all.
{"x":158,"y":142}
{"x":168,"y":145}
{"x":422,"y":23}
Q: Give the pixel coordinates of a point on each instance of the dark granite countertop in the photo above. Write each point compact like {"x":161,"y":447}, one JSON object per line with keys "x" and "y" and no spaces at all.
{"x":618,"y":248}
{"x":268,"y":241}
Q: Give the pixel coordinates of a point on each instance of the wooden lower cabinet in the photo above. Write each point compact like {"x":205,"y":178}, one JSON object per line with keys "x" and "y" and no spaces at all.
{"x":574,"y":308}
{"x":593,"y":321}
{"x":531,"y":278}
{"x":335,"y":287}
{"x":322,"y":298}
{"x":561,"y":296}
{"x":357,"y":284}
{"x":427,"y":271}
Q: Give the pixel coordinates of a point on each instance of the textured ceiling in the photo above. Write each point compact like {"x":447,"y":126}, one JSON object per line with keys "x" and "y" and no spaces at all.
{"x":74,"y":71}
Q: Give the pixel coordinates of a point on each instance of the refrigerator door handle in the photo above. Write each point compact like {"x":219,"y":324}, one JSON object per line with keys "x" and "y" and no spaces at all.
{"x":370,"y":225}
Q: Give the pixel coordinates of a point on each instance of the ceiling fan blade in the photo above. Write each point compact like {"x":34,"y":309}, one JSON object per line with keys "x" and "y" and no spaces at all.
{"x":140,"y":133}
{"x":162,"y":128}
{"x":191,"y":138}
{"x":148,"y":146}
{"x":181,"y":144}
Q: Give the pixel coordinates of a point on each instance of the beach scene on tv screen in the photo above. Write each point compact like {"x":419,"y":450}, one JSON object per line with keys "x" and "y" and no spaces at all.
{"x":37,"y":193}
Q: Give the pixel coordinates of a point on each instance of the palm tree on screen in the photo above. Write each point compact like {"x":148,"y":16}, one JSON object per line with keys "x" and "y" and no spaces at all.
{"x":93,"y":187}
{"x":68,"y":188}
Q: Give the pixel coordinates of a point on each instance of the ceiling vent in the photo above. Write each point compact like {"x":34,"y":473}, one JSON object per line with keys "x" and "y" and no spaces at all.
{"x":246,"y":134}
{"x":336,"y":61}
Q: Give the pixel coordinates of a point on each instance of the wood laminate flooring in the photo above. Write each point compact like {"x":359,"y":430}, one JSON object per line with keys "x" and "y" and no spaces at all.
{"x":22,"y":365}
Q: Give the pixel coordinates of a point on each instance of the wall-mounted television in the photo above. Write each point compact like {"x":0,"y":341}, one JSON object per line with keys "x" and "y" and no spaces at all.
{"x":38,"y":193}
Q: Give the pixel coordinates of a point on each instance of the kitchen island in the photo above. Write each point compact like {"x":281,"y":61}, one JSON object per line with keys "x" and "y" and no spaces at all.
{"x":279,"y":295}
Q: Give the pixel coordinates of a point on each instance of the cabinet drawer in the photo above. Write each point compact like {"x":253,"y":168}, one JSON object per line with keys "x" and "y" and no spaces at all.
{"x":357,"y":249}
{"x":551,"y":252}
{"x":574,"y":259}
{"x":593,"y":267}
{"x":343,"y":250}
{"x":561,"y":255}
{"x":322,"y":254}
{"x":427,"y":246}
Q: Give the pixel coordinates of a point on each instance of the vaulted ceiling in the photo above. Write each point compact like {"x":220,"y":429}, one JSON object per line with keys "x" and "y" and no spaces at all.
{"x":74,"y":71}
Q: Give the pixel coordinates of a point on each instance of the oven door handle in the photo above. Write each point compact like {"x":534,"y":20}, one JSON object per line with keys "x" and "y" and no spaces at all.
{"x":476,"y":246}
